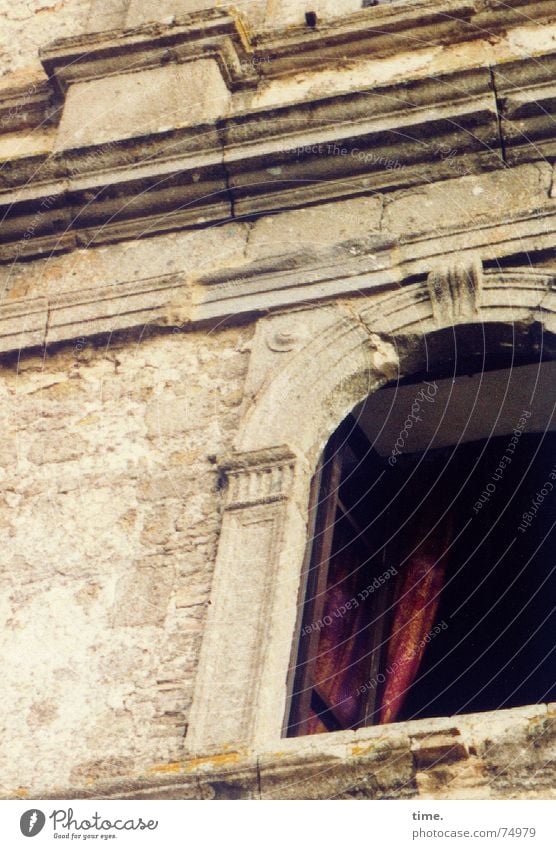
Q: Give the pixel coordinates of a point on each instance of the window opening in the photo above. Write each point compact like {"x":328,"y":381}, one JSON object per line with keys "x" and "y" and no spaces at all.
{"x":429,"y":582}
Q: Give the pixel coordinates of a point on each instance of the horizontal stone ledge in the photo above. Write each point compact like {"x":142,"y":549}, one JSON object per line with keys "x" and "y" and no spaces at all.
{"x":23,"y":324}
{"x":212,"y":33}
{"x":380,"y":31}
{"x":192,"y":197}
{"x":245,"y":59}
{"x":166,"y":302}
{"x":513,"y":747}
{"x":347,"y":269}
{"x":27,"y":107}
{"x":388,"y":29}
{"x":37,"y":322}
{"x":440,"y":110}
{"x":266,"y":160}
{"x":370,"y":265}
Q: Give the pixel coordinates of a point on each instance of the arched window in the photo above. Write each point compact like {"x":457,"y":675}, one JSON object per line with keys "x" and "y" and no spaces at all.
{"x":429,"y":580}
{"x":446,"y":496}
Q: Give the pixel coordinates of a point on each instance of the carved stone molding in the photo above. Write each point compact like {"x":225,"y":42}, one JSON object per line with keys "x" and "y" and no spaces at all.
{"x":212,"y":33}
{"x":23,"y":324}
{"x":259,"y":477}
{"x":391,"y":28}
{"x":322,"y":147}
{"x":499,"y":754}
{"x":128,"y":183}
{"x":455,"y":292}
{"x":35,"y":322}
{"x":352,"y":352}
{"x":283,"y":341}
{"x":383,"y":31}
{"x":165,"y":302}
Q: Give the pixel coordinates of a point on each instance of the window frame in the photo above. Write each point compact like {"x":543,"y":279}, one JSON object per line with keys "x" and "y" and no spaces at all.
{"x":337,"y":357}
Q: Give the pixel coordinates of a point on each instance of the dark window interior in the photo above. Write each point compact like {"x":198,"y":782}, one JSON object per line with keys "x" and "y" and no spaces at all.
{"x":491,"y":639}
{"x":500,"y":593}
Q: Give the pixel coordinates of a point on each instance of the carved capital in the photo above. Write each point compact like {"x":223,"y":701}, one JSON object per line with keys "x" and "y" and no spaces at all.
{"x":259,"y":477}
{"x":455,"y":292}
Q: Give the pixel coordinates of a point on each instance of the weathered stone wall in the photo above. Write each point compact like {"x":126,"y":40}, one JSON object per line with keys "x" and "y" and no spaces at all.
{"x":110,"y":497}
{"x":464,"y":200}
{"x":110,"y":506}
{"x":26,"y":26}
{"x":110,"y":517}
{"x":110,"y":500}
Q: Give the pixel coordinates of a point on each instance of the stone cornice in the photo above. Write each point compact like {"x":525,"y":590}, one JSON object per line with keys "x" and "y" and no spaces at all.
{"x":245,"y":57}
{"x":33,"y":322}
{"x":209,"y":34}
{"x":388,"y":29}
{"x":233,"y":295}
{"x":29,"y":107}
{"x":250,"y":163}
{"x":274,"y":158}
{"x":102,"y":201}
{"x":357,"y":267}
{"x":264,"y":160}
{"x":381,"y":31}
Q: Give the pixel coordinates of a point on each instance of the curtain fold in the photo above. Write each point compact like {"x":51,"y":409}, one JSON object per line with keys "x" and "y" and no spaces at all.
{"x":341,"y":678}
{"x":418,"y":592}
{"x":340,"y":667}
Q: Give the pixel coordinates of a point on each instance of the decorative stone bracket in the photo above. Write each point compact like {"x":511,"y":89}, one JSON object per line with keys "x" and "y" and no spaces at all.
{"x":455,"y":292}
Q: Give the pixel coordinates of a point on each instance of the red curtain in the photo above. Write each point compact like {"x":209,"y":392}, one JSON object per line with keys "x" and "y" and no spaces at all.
{"x":342,"y":662}
{"x":418,"y":591}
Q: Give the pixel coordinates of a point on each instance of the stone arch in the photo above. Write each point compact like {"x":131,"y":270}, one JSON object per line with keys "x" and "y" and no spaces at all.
{"x":309,"y":369}
{"x":361,"y":344}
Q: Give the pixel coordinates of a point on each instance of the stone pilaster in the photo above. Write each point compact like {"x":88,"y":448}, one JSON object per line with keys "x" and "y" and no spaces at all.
{"x":240,"y":693}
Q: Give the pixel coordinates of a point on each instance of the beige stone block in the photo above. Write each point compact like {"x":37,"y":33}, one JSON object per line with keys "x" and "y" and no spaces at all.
{"x":194,"y":252}
{"x":23,"y":323}
{"x":317,"y":226}
{"x":8,"y":449}
{"x":28,"y":26}
{"x":146,"y":101}
{"x":144,"y":11}
{"x":159,"y":525}
{"x":168,"y":416}
{"x":51,"y":448}
{"x":291,"y":12}
{"x":14,"y":145}
{"x":469,"y":199}
{"x":169,"y":484}
{"x":191,"y":596}
{"x":106,"y":15}
{"x":371,"y":763}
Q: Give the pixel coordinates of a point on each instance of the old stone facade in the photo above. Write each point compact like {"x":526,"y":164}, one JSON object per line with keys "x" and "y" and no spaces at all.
{"x":222,"y":228}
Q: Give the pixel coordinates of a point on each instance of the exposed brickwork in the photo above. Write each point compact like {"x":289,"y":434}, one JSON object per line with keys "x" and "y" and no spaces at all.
{"x":110,"y":513}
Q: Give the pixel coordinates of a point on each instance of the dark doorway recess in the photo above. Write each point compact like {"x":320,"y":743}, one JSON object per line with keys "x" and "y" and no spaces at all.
{"x":427,"y":592}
